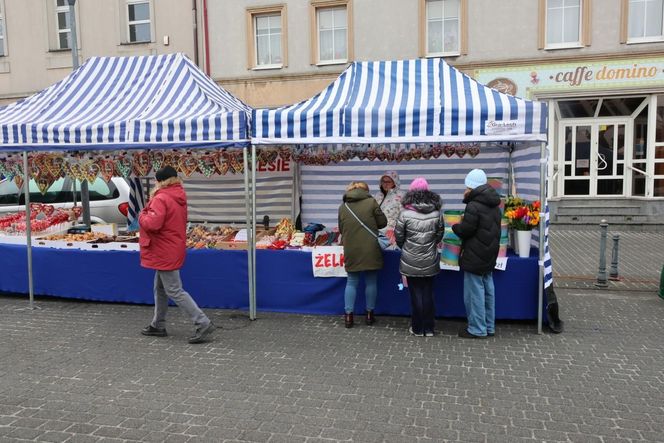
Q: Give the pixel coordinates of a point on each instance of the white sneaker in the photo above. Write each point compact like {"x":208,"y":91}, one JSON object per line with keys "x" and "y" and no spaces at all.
{"x":428,"y":334}
{"x":412,"y":333}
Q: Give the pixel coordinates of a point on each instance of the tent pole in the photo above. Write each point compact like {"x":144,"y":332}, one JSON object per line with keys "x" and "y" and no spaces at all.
{"x":253,"y":227}
{"x":247,"y":206}
{"x":540,"y":293}
{"x":28,"y":227}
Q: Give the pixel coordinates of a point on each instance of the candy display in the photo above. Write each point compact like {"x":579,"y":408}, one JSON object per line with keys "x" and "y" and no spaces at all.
{"x":42,"y":217}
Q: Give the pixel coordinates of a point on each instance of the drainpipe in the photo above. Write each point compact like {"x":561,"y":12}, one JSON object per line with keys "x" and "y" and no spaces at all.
{"x":206,"y":38}
{"x":194,"y":14}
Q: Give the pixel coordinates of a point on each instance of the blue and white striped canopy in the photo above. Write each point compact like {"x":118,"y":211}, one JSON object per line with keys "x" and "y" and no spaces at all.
{"x":161,"y":101}
{"x":424,"y":100}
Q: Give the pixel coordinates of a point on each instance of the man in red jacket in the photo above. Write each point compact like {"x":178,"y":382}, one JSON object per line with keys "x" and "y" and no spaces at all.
{"x":163,"y":225}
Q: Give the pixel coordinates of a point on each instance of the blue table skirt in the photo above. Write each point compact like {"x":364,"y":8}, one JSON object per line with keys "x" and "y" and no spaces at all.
{"x":218,"y":279}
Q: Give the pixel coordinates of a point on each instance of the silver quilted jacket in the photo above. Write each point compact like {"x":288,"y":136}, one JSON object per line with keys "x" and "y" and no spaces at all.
{"x":418,"y":231}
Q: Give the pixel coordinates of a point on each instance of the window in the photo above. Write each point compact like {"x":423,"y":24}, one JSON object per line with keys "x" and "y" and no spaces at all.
{"x":3,"y":51}
{"x":564,"y":23}
{"x":331,"y":31}
{"x":266,"y":37}
{"x":138,"y":22}
{"x":63,"y":24}
{"x":443,"y":18}
{"x":645,"y":21}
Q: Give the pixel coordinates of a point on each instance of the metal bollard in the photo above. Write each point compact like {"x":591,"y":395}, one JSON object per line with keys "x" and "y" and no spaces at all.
{"x":613,"y":273}
{"x":601,"y":274}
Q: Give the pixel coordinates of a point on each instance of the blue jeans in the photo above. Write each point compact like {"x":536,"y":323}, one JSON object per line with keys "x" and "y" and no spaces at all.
{"x":370,"y":289}
{"x":479,"y":296}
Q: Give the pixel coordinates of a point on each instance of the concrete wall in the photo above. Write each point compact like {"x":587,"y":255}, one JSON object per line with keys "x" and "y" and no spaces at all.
{"x":498,"y":33}
{"x":30,"y":66}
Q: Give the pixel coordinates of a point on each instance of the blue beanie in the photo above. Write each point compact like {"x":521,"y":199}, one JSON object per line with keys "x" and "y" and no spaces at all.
{"x":475,"y":178}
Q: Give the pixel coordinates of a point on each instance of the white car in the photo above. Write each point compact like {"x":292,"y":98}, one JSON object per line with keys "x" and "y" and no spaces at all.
{"x":109,"y":202}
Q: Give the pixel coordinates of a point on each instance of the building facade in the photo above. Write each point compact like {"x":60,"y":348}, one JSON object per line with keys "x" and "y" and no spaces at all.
{"x":35,"y":36}
{"x":598,"y":64}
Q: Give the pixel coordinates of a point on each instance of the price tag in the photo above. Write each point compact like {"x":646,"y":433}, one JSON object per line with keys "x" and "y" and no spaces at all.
{"x":501,"y":263}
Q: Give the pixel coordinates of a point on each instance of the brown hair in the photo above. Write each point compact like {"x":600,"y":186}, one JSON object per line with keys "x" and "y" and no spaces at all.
{"x":357,"y":185}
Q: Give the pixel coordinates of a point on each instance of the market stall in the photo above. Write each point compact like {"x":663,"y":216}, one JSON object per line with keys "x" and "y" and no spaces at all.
{"x":402,"y":112}
{"x":143,"y":113}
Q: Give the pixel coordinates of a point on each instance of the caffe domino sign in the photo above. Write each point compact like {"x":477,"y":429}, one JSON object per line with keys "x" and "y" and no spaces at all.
{"x":523,"y":81}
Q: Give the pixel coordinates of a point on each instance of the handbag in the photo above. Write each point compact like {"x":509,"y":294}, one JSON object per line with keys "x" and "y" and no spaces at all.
{"x":383,"y":241}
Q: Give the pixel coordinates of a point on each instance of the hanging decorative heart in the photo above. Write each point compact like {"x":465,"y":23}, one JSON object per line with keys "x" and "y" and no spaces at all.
{"x":236,"y":163}
{"x":426,"y":153}
{"x":54,"y":165}
{"x":285,"y":153}
{"x":18,"y":179}
{"x":372,"y":154}
{"x":436,"y":151}
{"x":206,"y":165}
{"x":416,"y":153}
{"x":271,"y":155}
{"x":461,"y":150}
{"x":220,"y":163}
{"x":123,"y":166}
{"x":106,"y":169}
{"x":473,"y":150}
{"x":90,"y":171}
{"x":157,"y":158}
{"x":44,"y":182}
{"x":171,"y":159}
{"x":142,"y":163}
{"x":74,"y":170}
{"x":188,"y":164}
{"x":448,"y":150}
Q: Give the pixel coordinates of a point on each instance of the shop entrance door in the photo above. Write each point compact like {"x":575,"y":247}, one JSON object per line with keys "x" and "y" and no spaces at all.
{"x":592,"y":155}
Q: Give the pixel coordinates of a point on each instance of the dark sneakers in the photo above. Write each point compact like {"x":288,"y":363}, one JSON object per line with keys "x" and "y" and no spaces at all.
{"x":154,"y":332}
{"x":463,"y":333}
{"x":202,"y":334}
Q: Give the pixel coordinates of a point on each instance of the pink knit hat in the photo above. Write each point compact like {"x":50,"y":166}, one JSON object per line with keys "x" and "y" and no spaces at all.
{"x":419,"y":184}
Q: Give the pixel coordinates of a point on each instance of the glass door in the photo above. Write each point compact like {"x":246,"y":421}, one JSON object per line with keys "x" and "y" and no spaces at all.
{"x":609,"y":157}
{"x":592,"y":155}
{"x":575,"y":157}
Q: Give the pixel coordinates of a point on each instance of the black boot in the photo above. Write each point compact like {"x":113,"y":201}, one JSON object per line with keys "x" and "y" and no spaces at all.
{"x":348,"y":320}
{"x":370,"y":319}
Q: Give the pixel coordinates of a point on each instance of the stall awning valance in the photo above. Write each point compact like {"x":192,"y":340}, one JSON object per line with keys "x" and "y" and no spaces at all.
{"x":424,"y":100}
{"x":157,"y":101}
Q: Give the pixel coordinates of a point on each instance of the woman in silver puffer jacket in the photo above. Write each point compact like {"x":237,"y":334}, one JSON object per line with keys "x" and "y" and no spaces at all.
{"x":418,"y":231}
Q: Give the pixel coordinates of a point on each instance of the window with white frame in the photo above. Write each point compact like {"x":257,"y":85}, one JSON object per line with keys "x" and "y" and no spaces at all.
{"x":646,"y":20}
{"x":443,"y":27}
{"x":563,"y":23}
{"x":332,"y":34}
{"x":268,"y":40}
{"x":3,"y":51}
{"x":138,"y":21}
{"x":63,"y":24}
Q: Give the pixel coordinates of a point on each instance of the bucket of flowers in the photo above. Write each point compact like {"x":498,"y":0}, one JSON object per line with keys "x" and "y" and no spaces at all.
{"x":523,"y":217}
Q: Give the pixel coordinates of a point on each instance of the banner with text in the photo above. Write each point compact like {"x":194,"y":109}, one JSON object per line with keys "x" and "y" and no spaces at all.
{"x":328,"y":261}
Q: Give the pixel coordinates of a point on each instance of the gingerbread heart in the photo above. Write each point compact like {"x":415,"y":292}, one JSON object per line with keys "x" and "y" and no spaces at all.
{"x":285,"y":153}
{"x":221,"y":163}
{"x":78,"y":211}
{"x":142,"y":163}
{"x":43,"y":183}
{"x":449,"y":151}
{"x":19,"y":181}
{"x":461,"y":151}
{"x":123,"y":166}
{"x":188,"y":164}
{"x":90,"y":170}
{"x":106,"y":169}
{"x":436,"y":151}
{"x":473,"y":151}
{"x":206,"y":165}
{"x":48,"y":210}
{"x":55,"y":165}
{"x":157,"y":158}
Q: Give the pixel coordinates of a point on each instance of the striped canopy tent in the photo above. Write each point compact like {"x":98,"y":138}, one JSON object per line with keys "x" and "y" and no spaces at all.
{"x":142,"y":102}
{"x":403,"y":105}
{"x":409,"y":101}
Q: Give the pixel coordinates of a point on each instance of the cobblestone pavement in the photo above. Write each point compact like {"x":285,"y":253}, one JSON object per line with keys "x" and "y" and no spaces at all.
{"x":81,"y":372}
{"x":575,"y":256}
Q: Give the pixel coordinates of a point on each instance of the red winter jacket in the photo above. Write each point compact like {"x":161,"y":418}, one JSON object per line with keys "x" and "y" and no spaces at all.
{"x":163,"y":224}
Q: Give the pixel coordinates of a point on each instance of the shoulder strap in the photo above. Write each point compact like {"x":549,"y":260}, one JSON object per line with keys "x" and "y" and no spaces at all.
{"x":360,"y":221}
